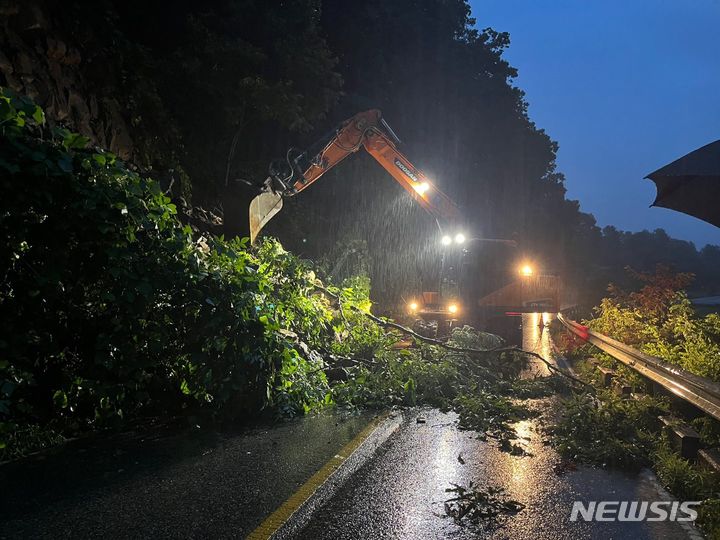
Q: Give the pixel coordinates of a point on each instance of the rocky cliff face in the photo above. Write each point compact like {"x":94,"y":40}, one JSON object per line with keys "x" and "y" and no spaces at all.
{"x":42,"y":61}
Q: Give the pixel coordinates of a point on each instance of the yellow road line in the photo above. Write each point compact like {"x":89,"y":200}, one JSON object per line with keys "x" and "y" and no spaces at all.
{"x":280,"y":516}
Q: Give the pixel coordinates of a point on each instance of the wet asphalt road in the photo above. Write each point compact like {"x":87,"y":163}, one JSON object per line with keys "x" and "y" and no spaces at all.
{"x":400,"y":493}
{"x":167,"y":485}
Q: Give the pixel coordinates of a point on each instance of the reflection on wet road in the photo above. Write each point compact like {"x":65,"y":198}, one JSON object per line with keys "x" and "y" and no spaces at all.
{"x":536,"y":338}
{"x":400,"y":492}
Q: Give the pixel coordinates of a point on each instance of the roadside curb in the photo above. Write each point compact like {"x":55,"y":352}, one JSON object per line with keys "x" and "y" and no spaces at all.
{"x":689,"y":527}
{"x":297,"y":510}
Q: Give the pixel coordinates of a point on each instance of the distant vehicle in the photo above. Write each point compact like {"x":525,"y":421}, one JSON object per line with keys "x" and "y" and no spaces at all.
{"x":438,"y":314}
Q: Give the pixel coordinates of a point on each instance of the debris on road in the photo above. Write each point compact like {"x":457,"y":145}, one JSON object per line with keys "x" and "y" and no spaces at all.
{"x":474,"y":505}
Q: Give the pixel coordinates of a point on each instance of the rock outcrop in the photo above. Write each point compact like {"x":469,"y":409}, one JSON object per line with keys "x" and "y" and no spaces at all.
{"x":39,"y":60}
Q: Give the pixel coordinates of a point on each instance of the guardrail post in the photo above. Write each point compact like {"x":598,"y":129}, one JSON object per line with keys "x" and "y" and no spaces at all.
{"x":606,"y":376}
{"x":683,"y":438}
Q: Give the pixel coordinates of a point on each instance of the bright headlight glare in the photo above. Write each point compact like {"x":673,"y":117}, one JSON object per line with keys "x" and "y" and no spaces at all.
{"x":446,"y":240}
{"x":452,"y":308}
{"x":459,"y":238}
{"x":421,"y":187}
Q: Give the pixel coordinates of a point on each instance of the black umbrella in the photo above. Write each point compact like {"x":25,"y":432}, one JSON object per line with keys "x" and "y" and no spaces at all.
{"x":691,"y":184}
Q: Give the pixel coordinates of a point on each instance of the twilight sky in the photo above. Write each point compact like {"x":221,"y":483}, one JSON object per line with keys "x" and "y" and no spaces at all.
{"x":625,"y":87}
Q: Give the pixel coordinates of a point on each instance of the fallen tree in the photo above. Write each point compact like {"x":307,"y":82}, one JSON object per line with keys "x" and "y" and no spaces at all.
{"x":114,"y":310}
{"x":386,"y":323}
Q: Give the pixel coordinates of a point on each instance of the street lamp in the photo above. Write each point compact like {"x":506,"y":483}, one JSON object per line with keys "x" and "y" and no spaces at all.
{"x":526,"y":270}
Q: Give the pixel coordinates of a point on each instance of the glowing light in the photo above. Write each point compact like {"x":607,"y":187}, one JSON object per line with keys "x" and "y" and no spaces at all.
{"x":526,"y":270}
{"x":459,"y":238}
{"x":421,"y":187}
{"x":446,"y":240}
{"x":413,"y":306}
{"x":452,"y":308}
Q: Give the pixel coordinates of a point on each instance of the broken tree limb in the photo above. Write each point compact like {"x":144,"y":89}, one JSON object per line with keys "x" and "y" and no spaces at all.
{"x":466,"y":350}
{"x":425,"y":339}
{"x":432,"y":341}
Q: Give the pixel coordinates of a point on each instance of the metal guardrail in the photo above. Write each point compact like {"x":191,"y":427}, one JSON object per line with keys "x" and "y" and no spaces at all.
{"x":699,"y":391}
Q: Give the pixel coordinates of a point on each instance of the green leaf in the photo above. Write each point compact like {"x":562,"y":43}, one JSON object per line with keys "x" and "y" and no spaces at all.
{"x":7,"y":112}
{"x":38,"y":115}
{"x":74,"y":140}
{"x":60,"y":399}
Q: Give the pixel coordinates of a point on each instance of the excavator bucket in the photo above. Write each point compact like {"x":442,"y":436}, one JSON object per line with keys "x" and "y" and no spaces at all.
{"x":262,"y":209}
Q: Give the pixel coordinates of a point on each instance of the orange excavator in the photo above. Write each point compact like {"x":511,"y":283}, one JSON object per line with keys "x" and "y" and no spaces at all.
{"x":370,"y":131}
{"x":364,"y":130}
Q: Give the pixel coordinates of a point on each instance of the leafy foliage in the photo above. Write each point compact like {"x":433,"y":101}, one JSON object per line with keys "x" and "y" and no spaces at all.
{"x":708,"y":429}
{"x":690,"y":482}
{"x":685,"y":480}
{"x":112,"y":308}
{"x":660,"y":320}
{"x":608,"y":430}
{"x":709,"y":517}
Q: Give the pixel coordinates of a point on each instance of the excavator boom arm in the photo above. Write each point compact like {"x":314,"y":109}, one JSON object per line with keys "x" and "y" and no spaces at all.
{"x":346,"y":140}
{"x":364,"y":130}
{"x":414,"y":181}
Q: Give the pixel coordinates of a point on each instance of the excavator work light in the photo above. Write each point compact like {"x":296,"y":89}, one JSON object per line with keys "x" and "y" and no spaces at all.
{"x":421,"y":187}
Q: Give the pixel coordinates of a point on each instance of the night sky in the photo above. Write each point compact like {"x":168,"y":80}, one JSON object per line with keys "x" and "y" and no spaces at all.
{"x":625,"y":87}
